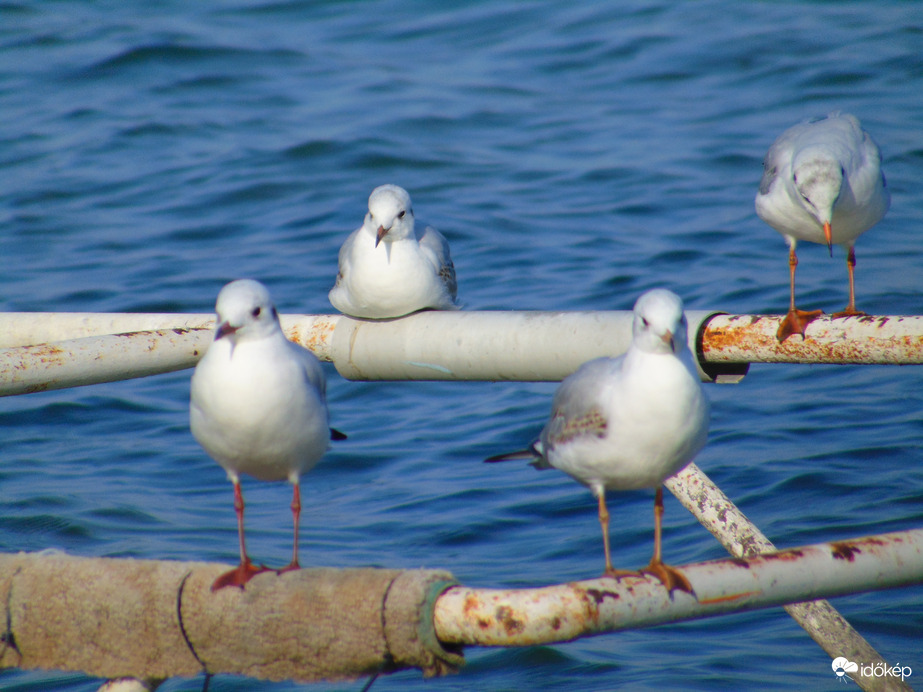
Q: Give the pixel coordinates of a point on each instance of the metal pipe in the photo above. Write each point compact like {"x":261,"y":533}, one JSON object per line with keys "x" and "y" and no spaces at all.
{"x":32,"y":328}
{"x":741,"y":537}
{"x":491,"y":346}
{"x":96,"y":359}
{"x":883,"y":339}
{"x":526,"y":617}
{"x":536,"y":346}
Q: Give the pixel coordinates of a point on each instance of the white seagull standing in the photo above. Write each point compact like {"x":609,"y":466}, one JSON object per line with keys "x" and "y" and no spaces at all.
{"x":822,"y":182}
{"x":385,"y":270}
{"x":630,"y":422}
{"x":258,"y":405}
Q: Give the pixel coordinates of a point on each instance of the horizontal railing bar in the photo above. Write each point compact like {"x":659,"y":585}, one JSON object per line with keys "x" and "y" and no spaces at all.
{"x":55,"y":350}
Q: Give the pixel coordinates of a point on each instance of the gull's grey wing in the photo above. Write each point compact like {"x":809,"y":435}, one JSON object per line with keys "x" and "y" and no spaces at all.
{"x":439,"y":246}
{"x":345,"y":251}
{"x":778,"y":158}
{"x":311,"y":368}
{"x":576,"y":409}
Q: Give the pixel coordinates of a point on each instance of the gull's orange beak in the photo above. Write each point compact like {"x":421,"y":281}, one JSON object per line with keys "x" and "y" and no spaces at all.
{"x":828,"y":234}
{"x":382,"y":232}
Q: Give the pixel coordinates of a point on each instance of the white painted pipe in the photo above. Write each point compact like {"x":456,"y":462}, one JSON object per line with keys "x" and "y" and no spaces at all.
{"x":95,"y":359}
{"x":31,"y":328}
{"x":489,"y":346}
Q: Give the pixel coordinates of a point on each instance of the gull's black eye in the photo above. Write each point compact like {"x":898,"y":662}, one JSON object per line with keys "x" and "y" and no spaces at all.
{"x":256,"y":312}
{"x":401,"y":215}
{"x":645,"y":322}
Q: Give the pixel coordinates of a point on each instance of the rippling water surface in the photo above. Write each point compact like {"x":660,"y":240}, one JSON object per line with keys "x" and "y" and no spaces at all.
{"x":575,"y":155}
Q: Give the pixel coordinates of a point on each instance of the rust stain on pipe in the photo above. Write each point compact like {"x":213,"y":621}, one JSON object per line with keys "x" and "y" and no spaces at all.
{"x":847,"y":550}
{"x":844,"y":551}
{"x":600,"y":595}
{"x":782,"y":555}
{"x":47,"y":354}
{"x":511,"y":621}
{"x":884,"y":339}
{"x":729,"y":598}
{"x":315,"y":337}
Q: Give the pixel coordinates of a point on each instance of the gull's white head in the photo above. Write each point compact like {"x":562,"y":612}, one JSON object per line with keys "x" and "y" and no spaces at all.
{"x":390,"y":215}
{"x":245,"y":312}
{"x":818,"y":178}
{"x":659,"y":323}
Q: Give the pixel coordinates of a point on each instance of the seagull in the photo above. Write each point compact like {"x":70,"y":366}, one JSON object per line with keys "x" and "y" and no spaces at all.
{"x":258,"y":406}
{"x":630,"y":422}
{"x":385,"y":270}
{"x":822,"y":182}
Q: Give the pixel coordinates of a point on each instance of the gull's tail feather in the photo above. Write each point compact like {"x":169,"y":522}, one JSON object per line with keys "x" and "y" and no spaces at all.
{"x":532,"y":454}
{"x":519,"y":455}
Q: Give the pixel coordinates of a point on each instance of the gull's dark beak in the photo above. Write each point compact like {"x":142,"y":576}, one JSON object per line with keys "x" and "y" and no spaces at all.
{"x":224,"y":329}
{"x":382,"y":232}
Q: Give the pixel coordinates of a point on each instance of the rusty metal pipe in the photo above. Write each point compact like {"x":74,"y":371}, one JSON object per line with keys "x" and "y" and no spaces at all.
{"x":527,"y":617}
{"x":883,"y":340}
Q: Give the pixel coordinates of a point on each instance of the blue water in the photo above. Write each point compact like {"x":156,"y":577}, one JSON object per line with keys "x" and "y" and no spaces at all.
{"x":575,"y":155}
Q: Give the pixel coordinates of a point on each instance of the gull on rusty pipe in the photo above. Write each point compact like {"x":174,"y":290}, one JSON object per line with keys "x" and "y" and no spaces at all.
{"x":822,"y":182}
{"x":630,"y":422}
